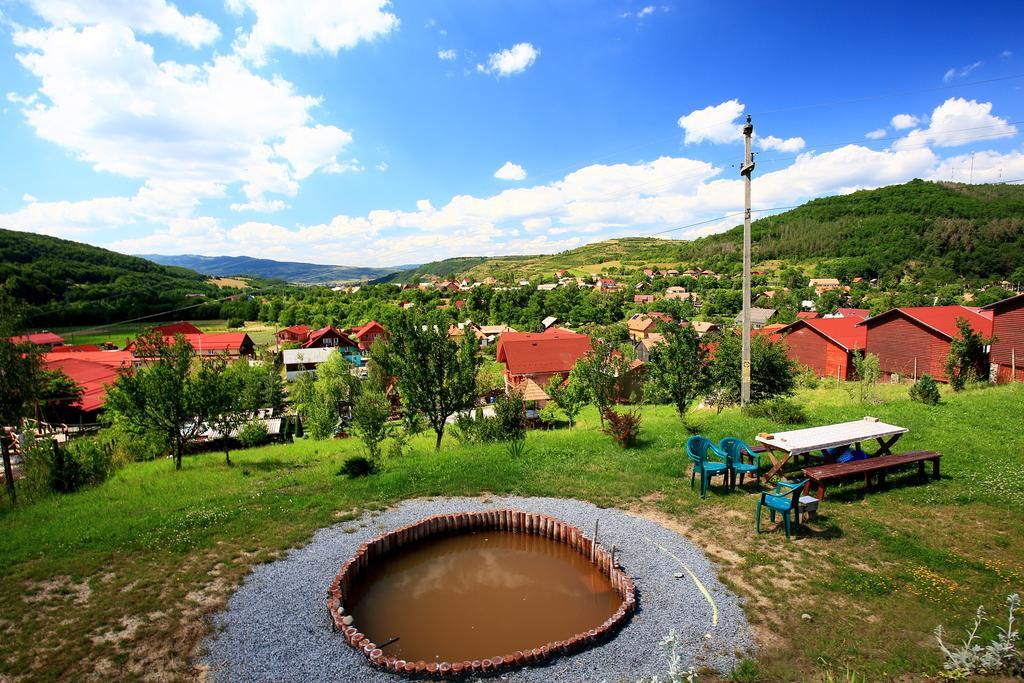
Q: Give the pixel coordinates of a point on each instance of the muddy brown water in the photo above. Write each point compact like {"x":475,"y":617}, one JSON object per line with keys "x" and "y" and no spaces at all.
{"x":479,"y":595}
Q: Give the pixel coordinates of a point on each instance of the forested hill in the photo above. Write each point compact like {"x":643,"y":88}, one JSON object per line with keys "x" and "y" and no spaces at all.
{"x":939,"y":230}
{"x":299,"y":273}
{"x":68,"y":283}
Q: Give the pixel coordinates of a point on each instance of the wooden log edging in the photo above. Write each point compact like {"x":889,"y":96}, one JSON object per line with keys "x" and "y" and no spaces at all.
{"x":507,"y":519}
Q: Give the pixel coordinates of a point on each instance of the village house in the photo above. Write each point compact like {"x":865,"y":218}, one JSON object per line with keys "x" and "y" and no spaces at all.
{"x":541,"y":357}
{"x":680,"y":294}
{"x":294,"y":335}
{"x":643,"y":298}
{"x":861,"y":313}
{"x":759,"y":317}
{"x":807,"y":315}
{"x":366,"y":336}
{"x":641,"y":325}
{"x":300,"y":361}
{"x":644,"y":346}
{"x":911,"y":342}
{"x":332,"y":338}
{"x":182,"y":327}
{"x":701,"y":327}
{"x":826,"y":345}
{"x":823,"y":284}
{"x":230,"y":344}
{"x":45,"y":339}
{"x":459,"y":330}
{"x":492,"y":332}
{"x":547,"y":287}
{"x":1007,"y":352}
{"x":93,"y":371}
{"x":648,"y":272}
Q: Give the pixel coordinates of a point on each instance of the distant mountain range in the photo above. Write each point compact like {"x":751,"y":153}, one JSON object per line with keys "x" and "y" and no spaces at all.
{"x":298,"y":273}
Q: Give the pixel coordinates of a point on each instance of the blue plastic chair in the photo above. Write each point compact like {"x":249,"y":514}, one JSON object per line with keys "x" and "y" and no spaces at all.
{"x":785,"y":500}
{"x":697,"y":449}
{"x":735,"y":450}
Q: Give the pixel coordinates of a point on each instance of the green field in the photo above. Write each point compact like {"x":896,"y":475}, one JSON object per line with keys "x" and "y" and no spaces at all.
{"x":262,"y":334}
{"x":116,"y":581}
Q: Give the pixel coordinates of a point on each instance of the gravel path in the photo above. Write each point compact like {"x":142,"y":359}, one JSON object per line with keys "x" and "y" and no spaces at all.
{"x":276,"y":626}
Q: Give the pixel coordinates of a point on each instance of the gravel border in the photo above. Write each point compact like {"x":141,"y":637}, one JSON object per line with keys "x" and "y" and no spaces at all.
{"x":276,"y":628}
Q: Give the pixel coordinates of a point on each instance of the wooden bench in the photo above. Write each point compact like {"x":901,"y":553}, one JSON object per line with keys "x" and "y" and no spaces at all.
{"x":825,"y":474}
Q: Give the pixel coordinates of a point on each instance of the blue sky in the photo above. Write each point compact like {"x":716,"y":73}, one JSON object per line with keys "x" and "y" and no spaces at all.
{"x":367,"y":132}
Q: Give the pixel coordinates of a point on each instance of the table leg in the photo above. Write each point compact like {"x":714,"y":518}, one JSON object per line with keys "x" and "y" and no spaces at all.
{"x":885,"y":447}
{"x":777,"y":464}
{"x":935,"y":468}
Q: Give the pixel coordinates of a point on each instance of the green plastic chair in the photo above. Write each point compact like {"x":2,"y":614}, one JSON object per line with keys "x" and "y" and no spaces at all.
{"x":697,"y":448}
{"x":735,"y":451}
{"x":784,"y":500}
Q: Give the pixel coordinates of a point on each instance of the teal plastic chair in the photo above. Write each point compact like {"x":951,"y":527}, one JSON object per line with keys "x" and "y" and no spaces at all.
{"x":735,"y":450}
{"x":785,"y":500}
{"x":697,"y":449}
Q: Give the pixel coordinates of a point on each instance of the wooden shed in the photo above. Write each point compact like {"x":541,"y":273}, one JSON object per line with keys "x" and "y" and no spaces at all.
{"x":1007,"y":353}
{"x":911,"y":342}
{"x":825,"y":345}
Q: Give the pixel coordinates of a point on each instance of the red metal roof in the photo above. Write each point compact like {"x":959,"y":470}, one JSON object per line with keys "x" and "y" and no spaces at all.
{"x":1009,"y":301}
{"x":942,"y":319}
{"x":846,"y":332}
{"x":213,"y":341}
{"x":92,"y":370}
{"x":806,"y":315}
{"x":39,"y":339}
{"x":80,"y":348}
{"x":556,"y":350}
{"x":298,"y":330}
{"x":177,"y":328}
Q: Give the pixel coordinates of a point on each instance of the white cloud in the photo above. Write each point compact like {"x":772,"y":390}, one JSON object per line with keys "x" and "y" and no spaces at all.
{"x":788,"y":145}
{"x":382,"y":166}
{"x":956,"y":122}
{"x":961,"y":72}
{"x":144,"y":16}
{"x":319,"y":25}
{"x":902,"y":121}
{"x":716,"y":123}
{"x":1006,"y":54}
{"x":103,"y":97}
{"x":988,"y":167}
{"x":876,"y":134}
{"x":27,"y":198}
{"x":447,"y":55}
{"x":510,"y":171}
{"x":261,"y":205}
{"x":643,"y":12}
{"x":514,"y":60}
{"x":308,"y":148}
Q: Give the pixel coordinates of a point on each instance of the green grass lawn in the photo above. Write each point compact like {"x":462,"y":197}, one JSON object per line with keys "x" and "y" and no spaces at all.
{"x":262,"y":334}
{"x":117,"y":580}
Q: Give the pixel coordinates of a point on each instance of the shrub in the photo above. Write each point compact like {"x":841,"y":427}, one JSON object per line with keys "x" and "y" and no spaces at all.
{"x":623,"y":427}
{"x":779,"y":410}
{"x":234,"y":323}
{"x":357,"y":466}
{"x":67,"y":468}
{"x":253,"y":434}
{"x":925,"y":390}
{"x":1001,"y":656}
{"x":464,"y":428}
{"x":808,"y":379}
{"x":510,"y":413}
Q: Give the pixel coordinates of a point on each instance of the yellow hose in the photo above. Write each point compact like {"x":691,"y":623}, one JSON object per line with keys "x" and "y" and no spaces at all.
{"x":707,"y":595}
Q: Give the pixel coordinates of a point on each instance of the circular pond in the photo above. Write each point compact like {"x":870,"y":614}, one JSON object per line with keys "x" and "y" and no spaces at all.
{"x":473,"y":593}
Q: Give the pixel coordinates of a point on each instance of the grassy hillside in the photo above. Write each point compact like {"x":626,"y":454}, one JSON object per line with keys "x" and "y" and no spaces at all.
{"x":64,"y":283}
{"x":118,"y":580}
{"x":948,"y":230}
{"x":444,"y":269}
{"x":289,"y":271}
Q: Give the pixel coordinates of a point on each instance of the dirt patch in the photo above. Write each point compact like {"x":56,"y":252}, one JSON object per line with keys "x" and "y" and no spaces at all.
{"x":57,"y":590}
{"x":125,"y":630}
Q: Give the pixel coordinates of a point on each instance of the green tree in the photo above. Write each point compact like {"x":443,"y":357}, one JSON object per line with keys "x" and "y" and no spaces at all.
{"x":435,"y":375}
{"x":370,"y":414}
{"x":19,"y":373}
{"x":967,"y":359}
{"x":599,"y":374}
{"x":772,"y":373}
{"x":869,"y":371}
{"x":223,"y":397}
{"x":165,"y":397}
{"x":677,"y":367}
{"x":570,"y":397}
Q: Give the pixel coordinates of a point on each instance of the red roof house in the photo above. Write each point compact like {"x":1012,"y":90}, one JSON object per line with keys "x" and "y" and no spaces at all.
{"x":543,"y":357}
{"x":910,"y":342}
{"x":366,"y":335}
{"x":806,"y":315}
{"x":862,"y":313}
{"x":232,"y":344}
{"x":172,"y":329}
{"x":91,"y":370}
{"x":296,"y":334}
{"x":825,"y":345}
{"x":45,"y":338}
{"x":1007,"y":353}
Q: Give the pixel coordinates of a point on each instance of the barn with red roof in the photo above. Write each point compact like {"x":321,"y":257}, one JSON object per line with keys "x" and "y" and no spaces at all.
{"x":541,"y":357}
{"x":93,"y":371}
{"x":1007,"y":353}
{"x":45,"y":338}
{"x":911,"y":342}
{"x":825,"y":345}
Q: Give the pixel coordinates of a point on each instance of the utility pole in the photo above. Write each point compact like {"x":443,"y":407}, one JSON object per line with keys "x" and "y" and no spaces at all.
{"x":972,"y":168}
{"x":746,"y":171}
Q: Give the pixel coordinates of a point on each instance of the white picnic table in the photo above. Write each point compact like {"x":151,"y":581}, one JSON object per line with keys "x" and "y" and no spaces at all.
{"x":782,"y":446}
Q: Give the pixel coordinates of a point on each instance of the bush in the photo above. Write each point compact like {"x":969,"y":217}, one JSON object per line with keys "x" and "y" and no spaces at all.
{"x":808,"y":378}
{"x":510,"y":413}
{"x":358,"y":466}
{"x":778,"y":410}
{"x":52,"y":467}
{"x":253,"y":434}
{"x":234,"y":323}
{"x":623,"y":427}
{"x":925,"y":390}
